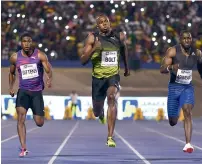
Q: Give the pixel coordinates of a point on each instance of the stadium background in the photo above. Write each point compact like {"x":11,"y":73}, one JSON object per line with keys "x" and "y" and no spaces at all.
{"x":59,"y":29}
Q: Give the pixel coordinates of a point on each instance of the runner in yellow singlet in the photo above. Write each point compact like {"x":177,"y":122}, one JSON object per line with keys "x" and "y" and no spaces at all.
{"x":104,"y":49}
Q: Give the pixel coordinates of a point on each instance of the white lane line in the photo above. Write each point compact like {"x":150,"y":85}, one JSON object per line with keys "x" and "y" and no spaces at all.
{"x":12,"y":137}
{"x":6,"y":126}
{"x":63,"y":144}
{"x":170,"y":137}
{"x":132,"y":148}
{"x":194,"y":131}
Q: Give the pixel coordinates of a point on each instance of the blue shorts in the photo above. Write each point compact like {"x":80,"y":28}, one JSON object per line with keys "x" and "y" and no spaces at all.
{"x":178,"y":95}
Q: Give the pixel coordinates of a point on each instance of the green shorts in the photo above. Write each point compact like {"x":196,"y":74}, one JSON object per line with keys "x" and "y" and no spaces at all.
{"x":100,"y":86}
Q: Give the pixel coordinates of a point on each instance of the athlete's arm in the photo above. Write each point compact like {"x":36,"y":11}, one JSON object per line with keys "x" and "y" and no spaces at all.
{"x":166,"y":64}
{"x":12,"y":75}
{"x":46,"y":64}
{"x":124,"y":52}
{"x":199,"y":63}
{"x":88,"y":49}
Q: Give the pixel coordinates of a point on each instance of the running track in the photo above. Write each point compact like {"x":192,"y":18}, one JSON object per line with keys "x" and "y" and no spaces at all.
{"x":83,"y":142}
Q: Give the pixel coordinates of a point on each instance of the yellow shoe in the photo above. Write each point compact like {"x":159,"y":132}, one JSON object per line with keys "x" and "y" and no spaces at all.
{"x":102,"y":120}
{"x":110,"y":142}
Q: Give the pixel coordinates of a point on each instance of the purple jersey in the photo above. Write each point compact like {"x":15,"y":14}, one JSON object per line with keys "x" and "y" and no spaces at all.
{"x":30,"y":70}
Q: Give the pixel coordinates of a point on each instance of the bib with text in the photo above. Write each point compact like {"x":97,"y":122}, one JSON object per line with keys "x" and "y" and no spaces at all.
{"x":109,"y":58}
{"x":29,"y":71}
{"x":184,"y":76}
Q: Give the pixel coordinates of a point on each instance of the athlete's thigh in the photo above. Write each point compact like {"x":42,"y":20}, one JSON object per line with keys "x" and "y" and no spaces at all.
{"x":187,"y":97}
{"x":22,"y":101}
{"x":99,"y":90}
{"x":173,"y":107}
{"x":112,"y":91}
{"x":114,"y":82}
{"x":37,"y":104}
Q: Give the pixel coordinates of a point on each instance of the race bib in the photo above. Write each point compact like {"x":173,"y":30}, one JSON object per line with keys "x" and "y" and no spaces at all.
{"x":109,"y":58}
{"x":29,"y":71}
{"x":184,"y":76}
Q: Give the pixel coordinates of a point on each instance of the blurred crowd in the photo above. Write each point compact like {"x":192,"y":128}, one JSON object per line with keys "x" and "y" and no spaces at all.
{"x":60,"y":28}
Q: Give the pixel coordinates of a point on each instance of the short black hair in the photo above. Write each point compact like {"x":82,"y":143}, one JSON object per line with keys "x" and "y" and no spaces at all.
{"x":101,"y":15}
{"x":184,"y":31}
{"x":24,"y":35}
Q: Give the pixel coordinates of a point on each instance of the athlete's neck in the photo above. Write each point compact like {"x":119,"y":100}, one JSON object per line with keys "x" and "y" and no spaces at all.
{"x":187,"y":50}
{"x":105,"y":34}
{"x":28,"y":53}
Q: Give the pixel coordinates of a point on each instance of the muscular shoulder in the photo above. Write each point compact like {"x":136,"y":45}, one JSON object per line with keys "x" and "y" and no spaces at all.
{"x":42,"y":56}
{"x":90,"y":38}
{"x":198,"y":52}
{"x":171,"y":52}
{"x":13,"y":58}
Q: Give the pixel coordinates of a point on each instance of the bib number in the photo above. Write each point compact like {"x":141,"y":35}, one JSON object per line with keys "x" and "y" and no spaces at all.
{"x":29,"y":71}
{"x":109,"y":58}
{"x":184,"y":76}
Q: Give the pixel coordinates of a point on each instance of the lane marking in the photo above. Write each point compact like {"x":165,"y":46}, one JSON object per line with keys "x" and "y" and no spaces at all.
{"x":63,"y":144}
{"x":14,"y":136}
{"x":132,"y":148}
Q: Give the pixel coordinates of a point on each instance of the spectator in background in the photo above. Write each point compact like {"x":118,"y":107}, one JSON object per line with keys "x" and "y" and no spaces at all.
{"x":74,"y":100}
{"x":61,"y":27}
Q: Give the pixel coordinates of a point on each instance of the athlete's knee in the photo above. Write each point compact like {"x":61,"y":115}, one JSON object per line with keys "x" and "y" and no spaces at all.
{"x":111,"y":99}
{"x":40,"y":123}
{"x":98,"y":107}
{"x":187,"y":111}
{"x":21,"y":121}
{"x":173,"y":121}
{"x":21,"y":118}
{"x":39,"y":120}
{"x":97,"y":111}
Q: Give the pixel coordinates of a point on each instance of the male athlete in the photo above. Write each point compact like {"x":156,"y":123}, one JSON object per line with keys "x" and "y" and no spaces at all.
{"x":30,"y":63}
{"x":180,"y":61}
{"x":104,"y":49}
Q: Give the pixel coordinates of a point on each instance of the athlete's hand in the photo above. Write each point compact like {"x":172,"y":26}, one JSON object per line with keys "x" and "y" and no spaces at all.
{"x":12,"y":93}
{"x":175,"y":68}
{"x":49,"y":82}
{"x":97,"y":45}
{"x":127,"y":72}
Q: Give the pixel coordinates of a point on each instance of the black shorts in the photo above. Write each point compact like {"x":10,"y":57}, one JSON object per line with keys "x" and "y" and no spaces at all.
{"x":31,"y":99}
{"x":100,"y":86}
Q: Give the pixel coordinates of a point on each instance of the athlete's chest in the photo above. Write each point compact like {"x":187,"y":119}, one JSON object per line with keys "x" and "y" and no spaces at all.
{"x":186,"y":62}
{"x":109,"y":43}
{"x":28,"y":61}
{"x":28,"y":67}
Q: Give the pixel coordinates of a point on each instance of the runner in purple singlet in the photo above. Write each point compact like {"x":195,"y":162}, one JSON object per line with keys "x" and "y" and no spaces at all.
{"x":30,"y":63}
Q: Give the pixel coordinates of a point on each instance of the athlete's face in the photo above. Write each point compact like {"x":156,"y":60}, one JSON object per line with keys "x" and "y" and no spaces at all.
{"x":103,"y":24}
{"x":186,"y":40}
{"x":26,"y":43}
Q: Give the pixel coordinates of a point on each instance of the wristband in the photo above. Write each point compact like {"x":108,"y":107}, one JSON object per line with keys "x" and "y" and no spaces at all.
{"x":168,"y":69}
